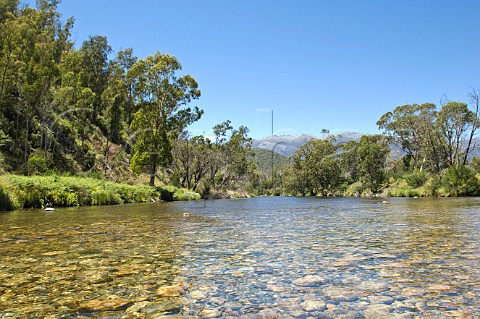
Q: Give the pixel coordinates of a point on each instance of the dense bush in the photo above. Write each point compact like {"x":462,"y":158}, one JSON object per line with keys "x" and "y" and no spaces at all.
{"x":460,"y":181}
{"x":182,"y":194}
{"x":37,"y":165}
{"x":6,"y":201}
{"x":416,"y":178}
{"x":105,"y":197}
{"x":37,"y":191}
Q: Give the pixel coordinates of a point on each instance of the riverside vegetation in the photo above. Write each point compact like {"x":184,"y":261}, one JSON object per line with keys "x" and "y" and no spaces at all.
{"x":68,"y":112}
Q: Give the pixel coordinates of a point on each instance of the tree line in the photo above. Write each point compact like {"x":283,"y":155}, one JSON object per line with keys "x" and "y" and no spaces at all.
{"x":74,"y":110}
{"x":435,"y":145}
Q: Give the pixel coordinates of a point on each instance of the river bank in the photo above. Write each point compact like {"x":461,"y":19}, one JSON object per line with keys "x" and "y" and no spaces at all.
{"x":20,"y":192}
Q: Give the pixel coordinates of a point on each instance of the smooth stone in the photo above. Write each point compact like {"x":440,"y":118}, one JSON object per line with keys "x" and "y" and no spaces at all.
{"x":267,"y":314}
{"x":210,"y":313}
{"x":54,"y":253}
{"x":439,"y":287}
{"x":372,"y":286}
{"x":198,"y":294}
{"x":463,"y":314}
{"x":104,"y":305}
{"x":410,"y":292}
{"x":217,"y":301}
{"x":137,"y":307}
{"x":170,"y":291}
{"x":126,"y":272}
{"x":156,"y":307}
{"x":380,"y":300}
{"x":341,"y":294}
{"x":313,"y":305}
{"x":97,"y":277}
{"x":379,"y":311}
{"x":309,"y":280}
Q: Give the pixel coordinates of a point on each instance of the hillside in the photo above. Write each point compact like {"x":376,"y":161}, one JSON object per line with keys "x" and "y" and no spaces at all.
{"x":263,"y":160}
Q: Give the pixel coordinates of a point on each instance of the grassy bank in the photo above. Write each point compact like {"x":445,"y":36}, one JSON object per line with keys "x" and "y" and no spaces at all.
{"x":17,"y":192}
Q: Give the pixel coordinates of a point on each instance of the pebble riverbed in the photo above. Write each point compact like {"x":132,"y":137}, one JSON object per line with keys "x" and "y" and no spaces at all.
{"x":249,"y":258}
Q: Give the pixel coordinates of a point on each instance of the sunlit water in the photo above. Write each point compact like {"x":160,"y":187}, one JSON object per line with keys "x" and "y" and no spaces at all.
{"x":248,"y":258}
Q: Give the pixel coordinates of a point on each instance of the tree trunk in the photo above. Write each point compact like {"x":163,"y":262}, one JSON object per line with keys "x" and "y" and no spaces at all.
{"x":153,"y":171}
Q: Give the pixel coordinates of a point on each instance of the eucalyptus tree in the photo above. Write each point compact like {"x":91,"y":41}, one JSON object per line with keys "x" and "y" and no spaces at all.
{"x":456,"y":124}
{"x":72,"y":99}
{"x":117,"y":105}
{"x":475,"y":125}
{"x":192,"y":157}
{"x":411,"y":127}
{"x":95,"y":64}
{"x":7,"y":8}
{"x":31,"y":49}
{"x":230,"y":161}
{"x":124,"y":61}
{"x":160,"y":95}
{"x":237,"y":153}
{"x":372,"y":152}
{"x":315,"y":169}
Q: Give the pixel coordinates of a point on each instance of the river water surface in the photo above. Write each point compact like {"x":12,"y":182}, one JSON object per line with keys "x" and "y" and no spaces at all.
{"x":247,"y":258}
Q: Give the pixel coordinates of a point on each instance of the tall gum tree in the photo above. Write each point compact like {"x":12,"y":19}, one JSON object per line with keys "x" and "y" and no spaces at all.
{"x":160,"y":95}
{"x":456,"y":124}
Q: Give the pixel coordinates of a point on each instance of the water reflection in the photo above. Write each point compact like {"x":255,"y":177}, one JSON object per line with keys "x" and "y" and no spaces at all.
{"x":263,"y":258}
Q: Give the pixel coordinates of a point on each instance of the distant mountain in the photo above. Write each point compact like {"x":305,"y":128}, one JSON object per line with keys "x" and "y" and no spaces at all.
{"x":286,"y":145}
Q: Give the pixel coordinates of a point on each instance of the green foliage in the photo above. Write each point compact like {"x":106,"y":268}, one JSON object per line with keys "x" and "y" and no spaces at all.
{"x":160,"y":119}
{"x":315,"y":169}
{"x":263,"y":161}
{"x":105,"y":197}
{"x":37,"y":191}
{"x":7,"y":202}
{"x":461,"y":181}
{"x":475,"y":164}
{"x":181,"y":194}
{"x":355,"y":189}
{"x":416,"y":178}
{"x":37,"y":165}
{"x":372,"y":151}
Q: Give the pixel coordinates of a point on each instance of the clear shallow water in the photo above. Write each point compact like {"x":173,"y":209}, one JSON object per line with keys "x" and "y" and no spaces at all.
{"x":247,"y":258}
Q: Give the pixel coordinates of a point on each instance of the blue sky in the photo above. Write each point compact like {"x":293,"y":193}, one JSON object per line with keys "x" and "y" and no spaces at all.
{"x":337,"y":64}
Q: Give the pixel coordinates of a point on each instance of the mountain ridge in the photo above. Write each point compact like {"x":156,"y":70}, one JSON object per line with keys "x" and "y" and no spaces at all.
{"x":286,"y":145}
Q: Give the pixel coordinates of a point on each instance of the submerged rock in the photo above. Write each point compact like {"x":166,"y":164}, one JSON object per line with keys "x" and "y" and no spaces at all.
{"x":378,"y":311}
{"x":309,"y":280}
{"x":341,"y":294}
{"x":170,"y":291}
{"x":210,"y":313}
{"x":104,"y":305}
{"x":313,"y":305}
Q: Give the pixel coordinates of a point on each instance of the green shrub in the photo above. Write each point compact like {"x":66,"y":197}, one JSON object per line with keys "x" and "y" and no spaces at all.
{"x":37,"y":165}
{"x":180,"y":193}
{"x":416,"y":178}
{"x":105,"y":197}
{"x":186,"y":195}
{"x":7,"y":202}
{"x":461,"y":181}
{"x":355,"y":189}
{"x":37,"y":191}
{"x":475,"y":164}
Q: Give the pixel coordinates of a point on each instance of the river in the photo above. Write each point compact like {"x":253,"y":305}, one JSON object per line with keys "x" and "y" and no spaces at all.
{"x":275,"y":257}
